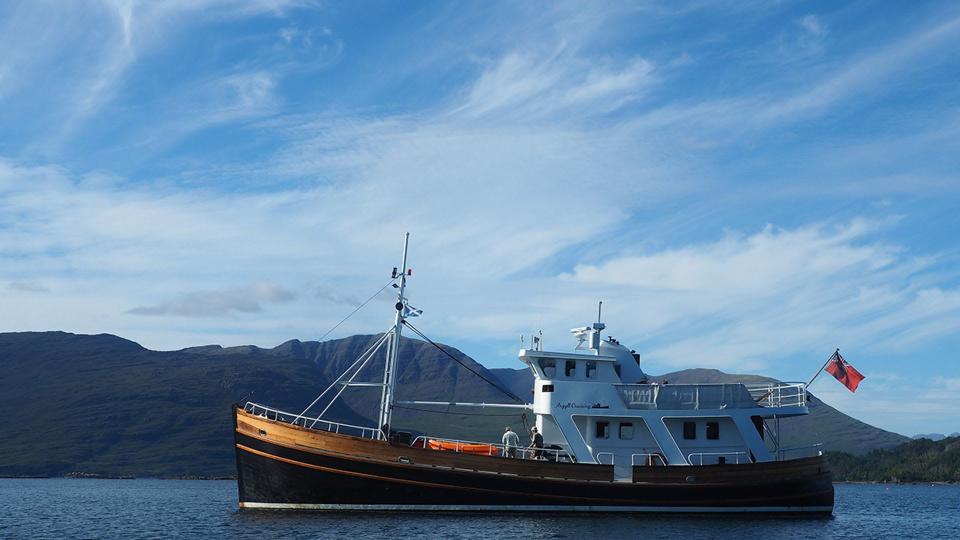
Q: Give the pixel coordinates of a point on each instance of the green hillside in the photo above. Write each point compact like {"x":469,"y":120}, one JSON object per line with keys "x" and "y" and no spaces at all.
{"x":105,"y":405}
{"x":921,"y":460}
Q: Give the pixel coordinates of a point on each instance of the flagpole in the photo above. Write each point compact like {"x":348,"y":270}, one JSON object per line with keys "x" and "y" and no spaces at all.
{"x":836,"y":352}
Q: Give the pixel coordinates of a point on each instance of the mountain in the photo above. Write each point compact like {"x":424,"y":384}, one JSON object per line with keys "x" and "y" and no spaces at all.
{"x":921,"y":460}
{"x":935,"y":436}
{"x":100,"y":404}
{"x":824,"y":424}
{"x":105,"y":405}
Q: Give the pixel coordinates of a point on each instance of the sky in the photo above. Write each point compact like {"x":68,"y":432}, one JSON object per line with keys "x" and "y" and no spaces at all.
{"x":746,"y":185}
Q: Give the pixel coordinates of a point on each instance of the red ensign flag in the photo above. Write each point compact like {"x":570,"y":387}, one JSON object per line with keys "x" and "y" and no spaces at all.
{"x":844,"y":372}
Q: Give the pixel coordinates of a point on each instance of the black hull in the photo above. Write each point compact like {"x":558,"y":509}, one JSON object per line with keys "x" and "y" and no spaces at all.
{"x":277,"y":476}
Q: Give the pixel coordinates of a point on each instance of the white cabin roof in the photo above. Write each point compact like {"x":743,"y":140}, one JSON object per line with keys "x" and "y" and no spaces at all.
{"x":531,"y":353}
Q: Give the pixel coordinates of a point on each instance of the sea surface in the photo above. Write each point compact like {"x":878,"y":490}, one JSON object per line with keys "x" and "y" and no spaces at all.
{"x":68,"y":508}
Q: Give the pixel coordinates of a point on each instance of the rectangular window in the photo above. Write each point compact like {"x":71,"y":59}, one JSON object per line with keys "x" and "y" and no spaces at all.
{"x":547,"y":388}
{"x":591,"y":369}
{"x":603,"y":430}
{"x":689,"y":430}
{"x":626,"y":430}
{"x":571,"y":368}
{"x":549,"y":367}
{"x":713,"y":430}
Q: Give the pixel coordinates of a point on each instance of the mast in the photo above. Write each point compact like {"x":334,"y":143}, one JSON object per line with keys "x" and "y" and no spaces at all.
{"x":393,"y":351}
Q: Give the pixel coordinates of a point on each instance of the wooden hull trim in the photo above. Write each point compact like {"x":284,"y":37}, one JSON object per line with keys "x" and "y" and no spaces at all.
{"x":536,"y":508}
{"x":379,"y":452}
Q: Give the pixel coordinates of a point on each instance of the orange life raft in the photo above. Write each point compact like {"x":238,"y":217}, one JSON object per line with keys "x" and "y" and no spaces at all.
{"x":467,"y":448}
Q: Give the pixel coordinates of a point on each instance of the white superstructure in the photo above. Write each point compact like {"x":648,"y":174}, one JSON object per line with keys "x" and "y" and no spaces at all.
{"x":598,"y":406}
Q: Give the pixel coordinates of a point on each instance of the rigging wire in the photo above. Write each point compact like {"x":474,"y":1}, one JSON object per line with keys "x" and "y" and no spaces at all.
{"x":455,"y":413}
{"x":365,"y":302}
{"x":507,"y":393}
{"x":370,"y":350}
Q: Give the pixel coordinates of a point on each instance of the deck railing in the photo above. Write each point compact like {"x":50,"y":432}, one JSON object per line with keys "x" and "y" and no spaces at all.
{"x":798,"y":452}
{"x":312,"y":423}
{"x":495,"y":449}
{"x":458,"y":445}
{"x":602,"y":458}
{"x":648,"y":460}
{"x":712,"y":396}
{"x":778,"y":394}
{"x":738,"y":457}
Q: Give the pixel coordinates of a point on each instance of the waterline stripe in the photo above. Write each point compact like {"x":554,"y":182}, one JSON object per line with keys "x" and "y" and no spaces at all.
{"x":535,"y":508}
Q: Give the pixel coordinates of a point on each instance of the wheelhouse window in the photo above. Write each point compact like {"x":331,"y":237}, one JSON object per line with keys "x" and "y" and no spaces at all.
{"x":571,"y":368}
{"x":689,"y":430}
{"x":549,"y":367}
{"x":591,"y":369}
{"x":603,"y":430}
{"x":713,"y":430}
{"x":626,"y":431}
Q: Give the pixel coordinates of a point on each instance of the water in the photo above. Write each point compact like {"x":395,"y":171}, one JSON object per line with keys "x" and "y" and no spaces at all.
{"x":64,"y":508}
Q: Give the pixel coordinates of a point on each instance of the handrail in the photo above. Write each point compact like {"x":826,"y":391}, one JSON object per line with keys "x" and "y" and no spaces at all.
{"x":287,"y":417}
{"x":701,"y":454}
{"x":712,"y":395}
{"x":781,"y":452}
{"x":600,"y":461}
{"x":791,"y":394}
{"x":522,"y":452}
{"x":648,"y":458}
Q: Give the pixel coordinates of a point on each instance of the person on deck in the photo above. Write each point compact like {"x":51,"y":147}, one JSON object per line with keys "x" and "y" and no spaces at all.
{"x":510,"y":442}
{"x":536,"y":442}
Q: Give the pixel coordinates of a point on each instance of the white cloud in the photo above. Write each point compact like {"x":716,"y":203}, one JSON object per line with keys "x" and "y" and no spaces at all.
{"x":770,"y":260}
{"x":512,"y":178}
{"x":742,"y":300}
{"x":862,"y":76}
{"x":533,"y":85}
{"x":909,"y":406}
{"x":27,"y":286}
{"x":288,"y":34}
{"x":76,"y":59}
{"x":219,"y":303}
{"x":528,"y":183}
{"x":807,"y":92}
{"x":811,"y":23}
{"x":949,"y":384}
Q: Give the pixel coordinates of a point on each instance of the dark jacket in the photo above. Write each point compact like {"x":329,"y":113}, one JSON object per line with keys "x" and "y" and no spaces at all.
{"x":536,"y":441}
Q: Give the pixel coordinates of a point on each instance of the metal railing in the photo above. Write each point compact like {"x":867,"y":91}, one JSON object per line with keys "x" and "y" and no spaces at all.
{"x":778,"y":394}
{"x":649,"y":460}
{"x":711,"y":396}
{"x":600,"y":458}
{"x":318,"y":424}
{"x":495,"y":449}
{"x":798,"y":452}
{"x":700,"y":455}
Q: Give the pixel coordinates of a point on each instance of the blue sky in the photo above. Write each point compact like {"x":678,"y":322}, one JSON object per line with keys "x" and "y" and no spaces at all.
{"x":746,"y":185}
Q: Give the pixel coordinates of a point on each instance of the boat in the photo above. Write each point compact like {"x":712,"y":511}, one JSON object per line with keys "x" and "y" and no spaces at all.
{"x":613,"y":441}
